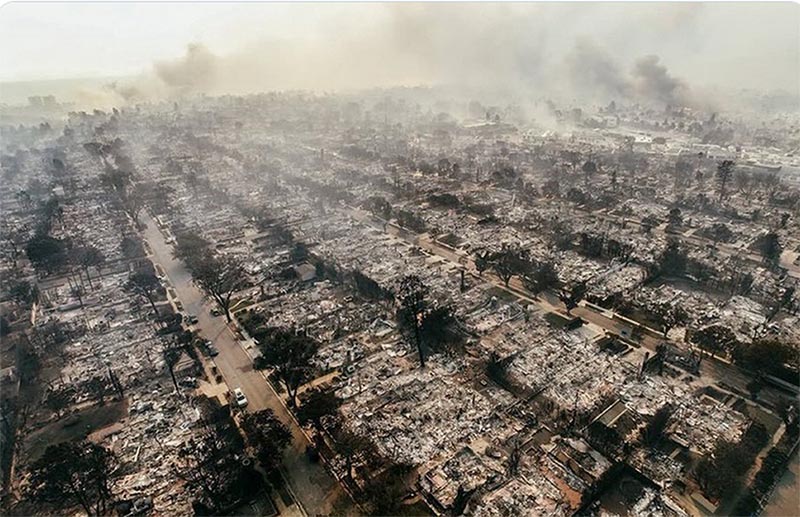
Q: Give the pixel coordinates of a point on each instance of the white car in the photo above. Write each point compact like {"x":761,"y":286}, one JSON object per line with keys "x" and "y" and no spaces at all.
{"x":238,"y":396}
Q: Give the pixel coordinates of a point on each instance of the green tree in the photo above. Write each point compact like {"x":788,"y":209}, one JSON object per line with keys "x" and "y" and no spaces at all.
{"x":212,"y":470}
{"x":15,"y":237}
{"x":439,"y":330}
{"x":379,"y":207}
{"x":551,"y":188}
{"x":46,"y":252}
{"x":116,"y":181}
{"x":317,"y":405}
{"x":299,"y":252}
{"x":589,"y":168}
{"x":714,"y":339}
{"x":511,"y":260}
{"x":722,"y":472}
{"x":673,"y":259}
{"x":289,"y":353}
{"x":560,"y":234}
{"x":670,"y":315}
{"x":497,"y":370}
{"x":766,"y":356}
{"x":86,"y":257}
{"x":268,"y":435}
{"x":648,"y":222}
{"x":543,"y":277}
{"x":605,"y":439}
{"x":191,"y":247}
{"x":74,"y":472}
{"x":770,"y":248}
{"x":369,"y":288}
{"x":5,"y":327}
{"x":719,"y":232}
{"x":385,"y":492}
{"x":49,"y":211}
{"x":462,"y":499}
{"x":97,"y":388}
{"x":58,"y":400}
{"x":51,"y":334}
{"x":353,"y":448}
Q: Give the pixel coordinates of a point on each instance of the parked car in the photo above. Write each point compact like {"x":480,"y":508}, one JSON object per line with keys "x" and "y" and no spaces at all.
{"x":212,"y":351}
{"x":192,"y":319}
{"x":216,"y":312}
{"x":239,"y":398}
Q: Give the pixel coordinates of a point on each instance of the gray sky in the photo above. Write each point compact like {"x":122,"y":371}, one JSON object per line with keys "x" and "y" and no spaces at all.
{"x":275,"y":45}
{"x":74,"y":39}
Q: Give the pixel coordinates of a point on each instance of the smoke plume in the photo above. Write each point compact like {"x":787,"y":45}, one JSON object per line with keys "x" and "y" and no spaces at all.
{"x":194,"y":72}
{"x":576,"y":52}
{"x":653,"y":82}
{"x":593,"y":72}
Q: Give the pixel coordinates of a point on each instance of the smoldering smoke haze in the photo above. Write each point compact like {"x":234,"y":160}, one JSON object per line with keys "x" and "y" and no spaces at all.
{"x":595,"y":74}
{"x":599,"y":52}
{"x":196,"y":71}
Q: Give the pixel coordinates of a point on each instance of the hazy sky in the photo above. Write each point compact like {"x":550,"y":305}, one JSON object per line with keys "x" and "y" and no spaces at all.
{"x":58,"y":40}
{"x":347,"y":45}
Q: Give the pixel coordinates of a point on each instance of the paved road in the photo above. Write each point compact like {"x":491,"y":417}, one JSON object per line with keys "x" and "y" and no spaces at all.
{"x":313,"y":486}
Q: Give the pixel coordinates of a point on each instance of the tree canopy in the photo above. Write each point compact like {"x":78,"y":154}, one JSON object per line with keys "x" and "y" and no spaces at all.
{"x":74,"y":473}
{"x":268,"y":435}
{"x":714,"y":339}
{"x":318,"y":404}
{"x":46,"y":252}
{"x":290,"y":353}
{"x":672,"y":261}
{"x":542,"y":277}
{"x":144,"y":283}
{"x":509,"y":261}
{"x":765,"y":356}
{"x":770,"y":247}
{"x":572,"y":295}
{"x":220,"y":277}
